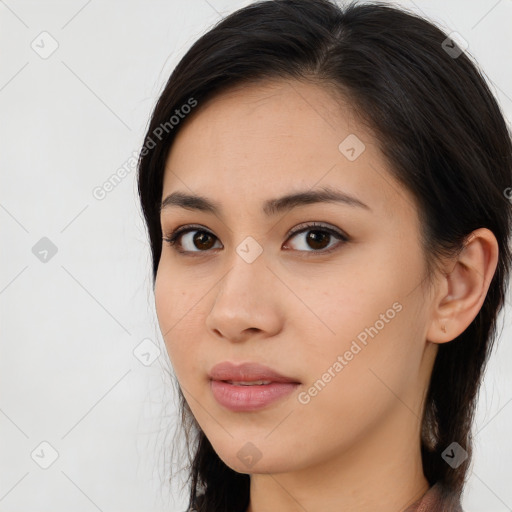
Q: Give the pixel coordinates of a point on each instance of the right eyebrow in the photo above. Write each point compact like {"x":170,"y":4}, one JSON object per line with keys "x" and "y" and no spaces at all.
{"x":271,"y":207}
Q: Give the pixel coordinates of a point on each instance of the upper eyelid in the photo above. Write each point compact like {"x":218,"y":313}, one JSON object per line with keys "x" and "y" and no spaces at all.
{"x":303,"y":226}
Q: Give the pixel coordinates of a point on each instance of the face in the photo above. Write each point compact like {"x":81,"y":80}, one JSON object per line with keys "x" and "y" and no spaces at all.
{"x":327,"y":293}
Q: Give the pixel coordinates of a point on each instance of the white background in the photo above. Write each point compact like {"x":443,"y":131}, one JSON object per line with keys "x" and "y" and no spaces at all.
{"x":68,"y":374}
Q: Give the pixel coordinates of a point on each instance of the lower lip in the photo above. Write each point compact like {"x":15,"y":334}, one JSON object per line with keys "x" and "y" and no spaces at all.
{"x":249,"y":398}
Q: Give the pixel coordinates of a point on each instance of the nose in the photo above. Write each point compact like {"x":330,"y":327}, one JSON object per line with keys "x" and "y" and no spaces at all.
{"x":246,"y":302}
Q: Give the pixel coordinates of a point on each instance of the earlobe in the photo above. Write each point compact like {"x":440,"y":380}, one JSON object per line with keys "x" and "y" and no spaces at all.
{"x":463,"y":287}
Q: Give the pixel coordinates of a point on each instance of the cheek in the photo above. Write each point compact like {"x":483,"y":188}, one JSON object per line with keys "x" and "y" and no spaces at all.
{"x":174,"y":298}
{"x":351,"y":385}
{"x":370,"y":337}
{"x":179,"y":308}
{"x":165,"y":302}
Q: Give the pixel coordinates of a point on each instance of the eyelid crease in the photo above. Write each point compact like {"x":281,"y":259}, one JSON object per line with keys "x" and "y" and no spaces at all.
{"x":306,"y":226}
{"x":343,"y":237}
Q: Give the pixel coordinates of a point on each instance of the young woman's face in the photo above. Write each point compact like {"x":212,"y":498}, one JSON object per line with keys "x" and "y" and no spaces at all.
{"x":341,"y":308}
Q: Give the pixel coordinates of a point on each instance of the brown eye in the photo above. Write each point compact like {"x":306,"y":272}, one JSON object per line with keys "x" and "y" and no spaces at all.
{"x":203,"y":240}
{"x":316,"y":238}
{"x":191,"y":240}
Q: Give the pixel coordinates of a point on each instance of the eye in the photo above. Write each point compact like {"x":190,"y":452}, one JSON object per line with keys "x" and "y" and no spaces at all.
{"x":196,"y":239}
{"x":318,"y":237}
{"x":192,"y":238}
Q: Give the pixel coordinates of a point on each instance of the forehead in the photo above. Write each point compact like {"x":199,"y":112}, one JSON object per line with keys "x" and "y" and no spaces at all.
{"x":278,"y":116}
{"x":259,"y":141}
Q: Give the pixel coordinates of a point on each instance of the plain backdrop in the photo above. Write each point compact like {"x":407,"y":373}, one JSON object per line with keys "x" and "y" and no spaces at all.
{"x":87,"y":411}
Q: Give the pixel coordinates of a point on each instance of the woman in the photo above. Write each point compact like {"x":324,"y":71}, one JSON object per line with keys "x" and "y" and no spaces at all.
{"x":323,"y":188}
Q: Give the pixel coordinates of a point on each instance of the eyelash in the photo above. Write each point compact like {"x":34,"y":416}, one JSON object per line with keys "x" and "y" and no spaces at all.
{"x":172,"y":238}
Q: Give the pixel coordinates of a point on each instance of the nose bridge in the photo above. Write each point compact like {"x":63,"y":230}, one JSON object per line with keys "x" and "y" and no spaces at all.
{"x":246,"y":275}
{"x":243,"y":299}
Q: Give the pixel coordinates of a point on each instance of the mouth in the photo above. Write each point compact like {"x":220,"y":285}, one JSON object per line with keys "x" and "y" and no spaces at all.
{"x":249,"y":386}
{"x":247,"y":397}
{"x":254,"y":383}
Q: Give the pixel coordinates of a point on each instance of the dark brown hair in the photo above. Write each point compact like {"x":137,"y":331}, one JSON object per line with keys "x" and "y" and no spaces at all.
{"x":441,"y":130}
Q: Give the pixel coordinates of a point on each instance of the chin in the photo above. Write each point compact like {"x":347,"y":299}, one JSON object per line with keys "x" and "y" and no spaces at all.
{"x":253,"y":458}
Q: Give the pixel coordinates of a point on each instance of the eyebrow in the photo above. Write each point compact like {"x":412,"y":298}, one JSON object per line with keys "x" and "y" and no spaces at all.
{"x":271,"y":207}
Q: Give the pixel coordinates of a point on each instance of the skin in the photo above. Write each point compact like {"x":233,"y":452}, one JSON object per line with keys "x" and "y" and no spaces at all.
{"x":356,"y":444}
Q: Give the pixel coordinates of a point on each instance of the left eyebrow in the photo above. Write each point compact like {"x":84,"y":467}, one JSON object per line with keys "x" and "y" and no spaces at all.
{"x":271,"y":207}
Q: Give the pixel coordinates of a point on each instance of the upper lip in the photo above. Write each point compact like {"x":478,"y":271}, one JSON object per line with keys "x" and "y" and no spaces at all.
{"x":246,"y":372}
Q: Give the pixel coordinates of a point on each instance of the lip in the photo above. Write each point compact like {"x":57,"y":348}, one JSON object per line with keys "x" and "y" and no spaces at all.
{"x":247,"y":372}
{"x":244,"y":398}
{"x":249,"y":398}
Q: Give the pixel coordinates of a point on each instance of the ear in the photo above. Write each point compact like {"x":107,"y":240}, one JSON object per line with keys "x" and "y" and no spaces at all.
{"x":462,"y":288}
